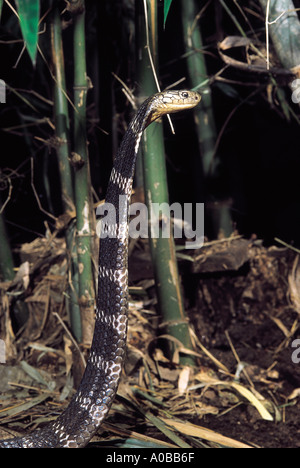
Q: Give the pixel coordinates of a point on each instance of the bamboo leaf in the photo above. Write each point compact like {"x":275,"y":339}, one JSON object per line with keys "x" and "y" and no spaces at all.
{"x":17,"y":409}
{"x":167,"y":5}
{"x":160,"y":424}
{"x":36,"y":375}
{"x":204,"y":433}
{"x":255,"y":402}
{"x":242,"y":390}
{"x":29,"y":12}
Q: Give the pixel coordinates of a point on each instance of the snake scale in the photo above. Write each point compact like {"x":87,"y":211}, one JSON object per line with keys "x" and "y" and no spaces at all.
{"x":89,"y":406}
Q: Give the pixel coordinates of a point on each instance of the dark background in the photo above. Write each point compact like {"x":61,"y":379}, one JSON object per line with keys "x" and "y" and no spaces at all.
{"x":259,"y":149}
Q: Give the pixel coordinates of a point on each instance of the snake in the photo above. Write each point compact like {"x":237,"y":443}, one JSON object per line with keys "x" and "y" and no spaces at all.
{"x":89,"y":406}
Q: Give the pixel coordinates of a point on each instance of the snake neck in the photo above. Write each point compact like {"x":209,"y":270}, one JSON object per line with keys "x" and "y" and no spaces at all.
{"x":124,"y":163}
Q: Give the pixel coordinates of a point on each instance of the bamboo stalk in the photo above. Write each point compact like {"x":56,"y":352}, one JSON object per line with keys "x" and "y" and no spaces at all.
{"x":156,"y":191}
{"x":62,"y":115}
{"x":62,"y":132}
{"x":6,"y":257}
{"x":82,"y":182}
{"x":206,"y":129}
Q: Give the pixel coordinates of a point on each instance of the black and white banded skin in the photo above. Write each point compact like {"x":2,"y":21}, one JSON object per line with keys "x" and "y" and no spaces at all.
{"x":87,"y":409}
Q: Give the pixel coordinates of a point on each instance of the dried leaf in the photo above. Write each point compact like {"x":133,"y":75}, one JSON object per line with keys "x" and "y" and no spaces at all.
{"x":242,"y":390}
{"x":204,"y":433}
{"x":295,"y":393}
{"x":234,"y":41}
{"x":68,"y":354}
{"x":183,"y":380}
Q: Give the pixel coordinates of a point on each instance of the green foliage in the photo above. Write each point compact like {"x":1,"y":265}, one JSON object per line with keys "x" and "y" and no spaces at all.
{"x":1,"y":4}
{"x":29,"y":13}
{"x":167,"y":5}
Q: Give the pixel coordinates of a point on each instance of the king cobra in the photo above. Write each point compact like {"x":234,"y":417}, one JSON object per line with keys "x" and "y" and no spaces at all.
{"x":89,"y":406}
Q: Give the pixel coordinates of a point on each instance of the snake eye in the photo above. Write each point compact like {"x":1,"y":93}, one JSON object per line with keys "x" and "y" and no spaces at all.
{"x":185,"y":95}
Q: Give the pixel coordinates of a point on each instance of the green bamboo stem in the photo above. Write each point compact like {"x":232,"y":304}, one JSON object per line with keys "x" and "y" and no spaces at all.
{"x":206,"y":129}
{"x":62,"y":116}
{"x":62,"y":132}
{"x":82,"y":182}
{"x":156,"y":191}
{"x":6,"y":257}
{"x":204,"y":115}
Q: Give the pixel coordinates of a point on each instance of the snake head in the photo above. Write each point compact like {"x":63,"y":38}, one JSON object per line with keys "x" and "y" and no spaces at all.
{"x":168,"y":102}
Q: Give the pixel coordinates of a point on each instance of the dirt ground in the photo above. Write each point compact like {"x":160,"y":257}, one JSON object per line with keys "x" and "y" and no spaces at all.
{"x":251,"y":315}
{"x":243,"y":302}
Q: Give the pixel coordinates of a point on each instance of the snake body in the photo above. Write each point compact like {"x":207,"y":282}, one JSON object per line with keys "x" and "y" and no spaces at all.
{"x":89,"y":406}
